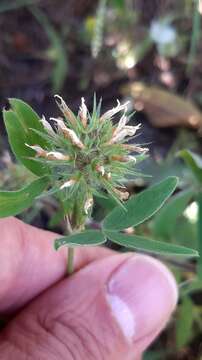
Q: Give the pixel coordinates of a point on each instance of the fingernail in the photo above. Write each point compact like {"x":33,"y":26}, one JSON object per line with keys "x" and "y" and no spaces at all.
{"x":142,"y":294}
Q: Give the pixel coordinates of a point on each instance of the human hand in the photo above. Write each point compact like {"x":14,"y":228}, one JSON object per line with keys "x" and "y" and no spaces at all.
{"x":111,"y":308}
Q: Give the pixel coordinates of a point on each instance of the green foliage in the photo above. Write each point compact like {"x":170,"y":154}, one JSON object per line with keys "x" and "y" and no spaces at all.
{"x":194,"y":162}
{"x":190,"y":287}
{"x":195,"y":36}
{"x":99,"y":28}
{"x":140,"y":207}
{"x":85,"y":238}
{"x":8,"y":6}
{"x":19,"y":121}
{"x":166,"y":219}
{"x":156,"y":196}
{"x":184,"y":232}
{"x":143,"y":244}
{"x":56,"y":52}
{"x":56,"y":218}
{"x":88,"y":164}
{"x":14,"y":202}
{"x":184,"y":322}
{"x":82,"y":160}
{"x":120,"y":4}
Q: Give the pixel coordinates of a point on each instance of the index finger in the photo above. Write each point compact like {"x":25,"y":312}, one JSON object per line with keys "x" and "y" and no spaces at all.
{"x":29,"y":264}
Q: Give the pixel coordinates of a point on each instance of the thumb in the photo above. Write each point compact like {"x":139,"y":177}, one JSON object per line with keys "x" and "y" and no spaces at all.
{"x":112,"y":309}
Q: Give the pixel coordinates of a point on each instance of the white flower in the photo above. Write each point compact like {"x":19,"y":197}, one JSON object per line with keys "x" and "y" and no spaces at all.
{"x":80,"y":142}
{"x":67,"y":184}
{"x":51,"y":155}
{"x":109,"y":114}
{"x":109,"y":176}
{"x":60,"y":123}
{"x":123,"y":195}
{"x":74,"y":139}
{"x":65,"y":109}
{"x":38,"y":149}
{"x":122,"y":123}
{"x":118,"y":136}
{"x":124,"y":158}
{"x":88,"y":205}
{"x":47,"y":126}
{"x":56,"y":155}
{"x":100,"y":169}
{"x":83,"y":112}
{"x":130,"y":158}
{"x":68,"y":133}
{"x":135,"y":148}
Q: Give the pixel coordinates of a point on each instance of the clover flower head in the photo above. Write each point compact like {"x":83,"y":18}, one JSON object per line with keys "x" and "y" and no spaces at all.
{"x":87,"y":154}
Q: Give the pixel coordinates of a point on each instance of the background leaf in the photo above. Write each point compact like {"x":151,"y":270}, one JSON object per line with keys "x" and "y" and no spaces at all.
{"x":156,"y":102}
{"x":184,"y":322}
{"x":88,"y":238}
{"x":165,"y":221}
{"x":14,"y":202}
{"x":19,"y":123}
{"x":56,"y":52}
{"x":145,"y":244}
{"x":140,"y":207}
{"x":190,"y":287}
{"x":194,"y":162}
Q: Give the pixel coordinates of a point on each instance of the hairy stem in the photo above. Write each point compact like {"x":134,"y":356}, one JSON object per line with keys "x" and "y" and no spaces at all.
{"x":70,"y":256}
{"x":70,"y":261}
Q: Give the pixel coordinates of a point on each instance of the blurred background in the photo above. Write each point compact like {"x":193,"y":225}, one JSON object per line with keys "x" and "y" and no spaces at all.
{"x":147,"y":51}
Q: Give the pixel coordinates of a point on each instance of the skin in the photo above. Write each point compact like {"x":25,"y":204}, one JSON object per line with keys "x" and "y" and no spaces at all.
{"x":79,"y":317}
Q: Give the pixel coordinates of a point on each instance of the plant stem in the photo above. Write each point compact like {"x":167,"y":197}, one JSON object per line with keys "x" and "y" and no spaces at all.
{"x":70,"y":261}
{"x":71,"y":230}
{"x":195,"y":37}
{"x":70,"y":256}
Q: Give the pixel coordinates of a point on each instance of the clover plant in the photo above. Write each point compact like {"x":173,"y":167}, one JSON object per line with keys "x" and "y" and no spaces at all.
{"x":77,"y":157}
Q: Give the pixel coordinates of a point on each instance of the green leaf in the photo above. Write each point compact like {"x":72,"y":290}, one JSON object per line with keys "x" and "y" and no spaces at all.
{"x":185,"y":233}
{"x":85,"y":238}
{"x":27,"y":116}
{"x":19,"y":121}
{"x":194,"y":162}
{"x":190,"y":287}
{"x":140,"y":207}
{"x":165,"y":221}
{"x":107,"y":203}
{"x":148,"y":245}
{"x":14,"y":202}
{"x":184,"y":322}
